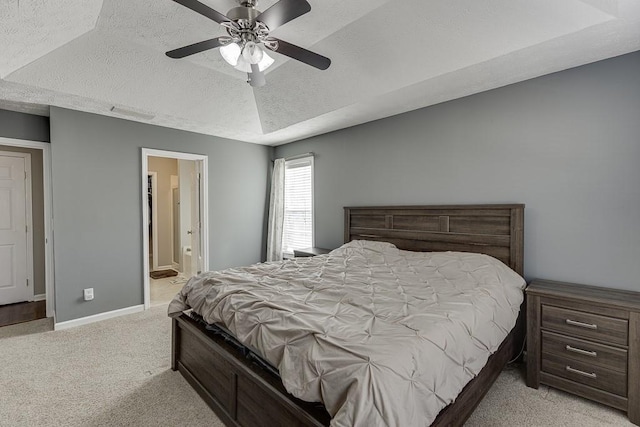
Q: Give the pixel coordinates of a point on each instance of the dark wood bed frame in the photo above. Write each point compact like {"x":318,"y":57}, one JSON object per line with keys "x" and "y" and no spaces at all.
{"x":244,"y":394}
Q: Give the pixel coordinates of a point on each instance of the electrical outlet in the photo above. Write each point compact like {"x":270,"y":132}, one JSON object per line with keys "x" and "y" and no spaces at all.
{"x":88,"y":294}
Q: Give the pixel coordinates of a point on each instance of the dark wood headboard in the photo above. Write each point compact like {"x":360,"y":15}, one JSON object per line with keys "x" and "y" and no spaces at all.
{"x":496,"y":230}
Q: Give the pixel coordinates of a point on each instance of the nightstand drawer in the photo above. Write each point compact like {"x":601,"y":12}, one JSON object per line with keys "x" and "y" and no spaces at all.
{"x":585,"y":351}
{"x":586,"y":325}
{"x":585,"y":373}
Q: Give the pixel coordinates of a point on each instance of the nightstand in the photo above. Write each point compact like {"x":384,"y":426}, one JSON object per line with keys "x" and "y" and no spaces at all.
{"x":307,"y":252}
{"x":585,"y":340}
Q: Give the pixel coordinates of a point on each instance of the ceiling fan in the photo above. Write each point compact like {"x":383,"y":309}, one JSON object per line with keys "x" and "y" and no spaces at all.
{"x":248,"y":32}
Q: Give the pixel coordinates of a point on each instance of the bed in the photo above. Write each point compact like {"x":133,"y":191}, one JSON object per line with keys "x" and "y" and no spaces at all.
{"x":242,"y":392}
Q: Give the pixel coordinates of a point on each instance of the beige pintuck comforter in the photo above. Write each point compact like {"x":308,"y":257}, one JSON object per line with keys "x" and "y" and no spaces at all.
{"x":381,"y":336}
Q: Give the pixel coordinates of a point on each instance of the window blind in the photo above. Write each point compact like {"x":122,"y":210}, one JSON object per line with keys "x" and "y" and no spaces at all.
{"x":298,"y":205}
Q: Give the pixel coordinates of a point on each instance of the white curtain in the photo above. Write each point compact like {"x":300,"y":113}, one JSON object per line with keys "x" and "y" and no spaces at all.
{"x":276,"y":212}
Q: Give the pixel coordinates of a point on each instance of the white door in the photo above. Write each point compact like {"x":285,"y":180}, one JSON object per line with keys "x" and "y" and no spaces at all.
{"x":196,"y":220}
{"x":13,"y":231}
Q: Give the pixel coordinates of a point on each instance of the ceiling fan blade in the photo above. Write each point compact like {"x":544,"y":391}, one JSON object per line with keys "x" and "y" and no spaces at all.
{"x":256,"y":77}
{"x":303,"y":55}
{"x":204,"y":10}
{"x":195,"y":48}
{"x":283,"y":12}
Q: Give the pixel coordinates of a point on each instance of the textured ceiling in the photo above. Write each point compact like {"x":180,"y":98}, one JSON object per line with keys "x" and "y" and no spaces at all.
{"x":389,"y":56}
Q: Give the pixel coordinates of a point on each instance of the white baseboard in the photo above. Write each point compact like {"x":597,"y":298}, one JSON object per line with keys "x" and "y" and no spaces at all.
{"x":40,"y":297}
{"x":98,"y":317}
{"x":163,"y":267}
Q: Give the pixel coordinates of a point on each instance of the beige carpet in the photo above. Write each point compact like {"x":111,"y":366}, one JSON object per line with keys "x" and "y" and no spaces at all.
{"x":511,"y":403}
{"x":111,"y":373}
{"x":116,"y":373}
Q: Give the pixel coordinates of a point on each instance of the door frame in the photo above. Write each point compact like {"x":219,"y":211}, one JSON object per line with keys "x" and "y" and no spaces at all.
{"x":204,"y":206}
{"x":49,"y":276}
{"x":28,"y":205}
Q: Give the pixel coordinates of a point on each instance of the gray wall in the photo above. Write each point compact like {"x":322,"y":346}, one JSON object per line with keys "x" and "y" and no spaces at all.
{"x":24,"y":126}
{"x":567,"y":145}
{"x":96,"y":167}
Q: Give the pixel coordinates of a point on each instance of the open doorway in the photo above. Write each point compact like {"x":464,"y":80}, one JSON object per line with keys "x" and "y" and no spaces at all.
{"x":26,"y":247}
{"x":174,"y":222}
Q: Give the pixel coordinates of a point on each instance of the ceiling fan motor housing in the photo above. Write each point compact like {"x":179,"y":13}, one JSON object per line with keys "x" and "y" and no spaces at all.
{"x":242,"y":12}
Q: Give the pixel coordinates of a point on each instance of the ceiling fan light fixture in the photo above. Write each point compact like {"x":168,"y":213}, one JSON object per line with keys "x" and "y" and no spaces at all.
{"x":245,"y":66}
{"x":252,"y":53}
{"x":231,"y":53}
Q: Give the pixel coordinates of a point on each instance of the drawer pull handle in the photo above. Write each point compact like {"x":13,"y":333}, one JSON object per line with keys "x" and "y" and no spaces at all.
{"x":581,"y":351}
{"x":581,"y":324}
{"x":579,"y":372}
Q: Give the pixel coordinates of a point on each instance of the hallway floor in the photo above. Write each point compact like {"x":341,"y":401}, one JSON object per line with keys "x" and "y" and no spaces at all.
{"x":163,"y":290}
{"x":22,"y":312}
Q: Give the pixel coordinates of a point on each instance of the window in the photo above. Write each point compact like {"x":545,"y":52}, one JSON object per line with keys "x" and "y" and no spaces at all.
{"x":298,"y":205}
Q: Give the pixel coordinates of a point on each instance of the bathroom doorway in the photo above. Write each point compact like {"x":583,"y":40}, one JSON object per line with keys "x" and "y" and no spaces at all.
{"x":174,"y":222}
